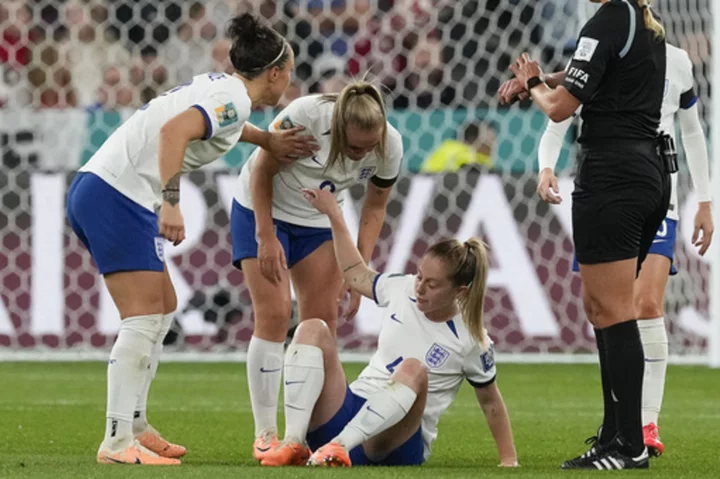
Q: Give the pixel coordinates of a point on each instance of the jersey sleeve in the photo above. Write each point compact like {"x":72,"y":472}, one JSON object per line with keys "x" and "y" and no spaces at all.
{"x":479,"y":365}
{"x":223,"y":113}
{"x":388,"y":170}
{"x":688,"y":97}
{"x":387,"y":286}
{"x":295,"y":114}
{"x":604,"y":37}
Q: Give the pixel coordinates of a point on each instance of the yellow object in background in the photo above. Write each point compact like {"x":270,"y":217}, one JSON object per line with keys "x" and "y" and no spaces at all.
{"x":475,"y":148}
{"x":452,"y":155}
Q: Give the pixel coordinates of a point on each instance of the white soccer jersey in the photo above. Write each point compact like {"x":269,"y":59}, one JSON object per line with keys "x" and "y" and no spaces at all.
{"x":288,"y":203}
{"x":447,"y":350}
{"x":679,"y":93}
{"x":128,"y":160}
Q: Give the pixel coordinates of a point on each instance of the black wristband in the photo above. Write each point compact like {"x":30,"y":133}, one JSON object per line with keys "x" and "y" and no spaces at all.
{"x":533,"y":82}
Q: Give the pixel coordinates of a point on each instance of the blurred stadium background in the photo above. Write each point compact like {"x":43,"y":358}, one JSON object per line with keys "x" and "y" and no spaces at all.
{"x":71,"y":71}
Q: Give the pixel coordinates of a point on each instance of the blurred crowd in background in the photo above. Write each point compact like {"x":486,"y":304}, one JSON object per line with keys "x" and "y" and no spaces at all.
{"x":110,"y":54}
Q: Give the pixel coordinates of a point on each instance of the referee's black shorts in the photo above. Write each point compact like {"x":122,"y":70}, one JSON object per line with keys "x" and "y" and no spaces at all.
{"x":621,"y":197}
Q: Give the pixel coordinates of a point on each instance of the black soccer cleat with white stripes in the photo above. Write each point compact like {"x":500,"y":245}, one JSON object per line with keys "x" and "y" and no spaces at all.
{"x":611,"y":457}
{"x":587,"y":457}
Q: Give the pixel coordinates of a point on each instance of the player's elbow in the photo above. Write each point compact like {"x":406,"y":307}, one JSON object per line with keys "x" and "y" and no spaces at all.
{"x":167,"y":130}
{"x":559,"y":112}
{"x":562,"y":105}
{"x":173,"y":132}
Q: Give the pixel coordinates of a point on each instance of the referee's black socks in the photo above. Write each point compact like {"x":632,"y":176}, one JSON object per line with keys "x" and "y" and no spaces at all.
{"x":626,"y":365}
{"x":609,"y":425}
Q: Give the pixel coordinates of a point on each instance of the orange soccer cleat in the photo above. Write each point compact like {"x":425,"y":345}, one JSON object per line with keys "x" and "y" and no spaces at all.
{"x":134,"y":454}
{"x":332,"y":454}
{"x":287,"y":453}
{"x":264,"y":443}
{"x":153,"y":440}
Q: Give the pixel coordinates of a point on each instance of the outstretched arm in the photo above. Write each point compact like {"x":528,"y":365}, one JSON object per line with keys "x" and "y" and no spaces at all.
{"x":355,"y":271}
{"x":493,"y":407}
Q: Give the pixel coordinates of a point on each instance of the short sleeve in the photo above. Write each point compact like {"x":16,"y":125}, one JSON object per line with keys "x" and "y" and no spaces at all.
{"x":601,"y":39}
{"x":479,"y":365}
{"x":688,"y":97}
{"x":390,"y":168}
{"x":295,"y":114}
{"x":387,"y":286}
{"x":223,"y":114}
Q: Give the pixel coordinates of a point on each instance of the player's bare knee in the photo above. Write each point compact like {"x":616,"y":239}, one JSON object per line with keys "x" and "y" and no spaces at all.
{"x":315,"y":332}
{"x":647,"y":307}
{"x":413,"y":374}
{"x":272,"y":322}
{"x":608,"y":315}
{"x":604,"y":311}
{"x":141,"y":304}
{"x":591,"y":309}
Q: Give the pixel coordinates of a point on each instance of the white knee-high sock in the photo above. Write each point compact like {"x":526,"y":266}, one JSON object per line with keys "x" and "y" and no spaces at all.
{"x":127,"y":370}
{"x":655,"y":345}
{"x":381,"y":411}
{"x":264,"y":370}
{"x":140,"y":422}
{"x":304,"y":380}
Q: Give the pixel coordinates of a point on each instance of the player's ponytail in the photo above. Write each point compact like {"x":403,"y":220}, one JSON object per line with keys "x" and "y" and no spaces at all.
{"x":468,"y":264}
{"x":255,"y":47}
{"x":361,"y":104}
{"x":651,"y":22}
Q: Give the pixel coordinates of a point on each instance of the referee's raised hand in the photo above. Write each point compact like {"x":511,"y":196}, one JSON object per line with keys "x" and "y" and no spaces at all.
{"x":524,"y":68}
{"x":511,"y":91}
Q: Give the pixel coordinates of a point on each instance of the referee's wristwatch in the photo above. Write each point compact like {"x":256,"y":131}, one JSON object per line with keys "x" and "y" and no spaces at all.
{"x":533,"y":82}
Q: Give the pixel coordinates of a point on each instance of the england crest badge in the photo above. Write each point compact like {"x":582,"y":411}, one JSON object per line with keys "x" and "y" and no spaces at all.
{"x":436,"y":356}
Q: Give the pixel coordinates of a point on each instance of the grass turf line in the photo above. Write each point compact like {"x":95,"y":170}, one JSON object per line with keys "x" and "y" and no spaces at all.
{"x":52,"y":420}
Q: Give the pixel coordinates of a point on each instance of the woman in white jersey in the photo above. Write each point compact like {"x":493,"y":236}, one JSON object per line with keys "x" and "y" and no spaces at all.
{"x":123,"y":204}
{"x":278,"y":237}
{"x":432,"y":338}
{"x":680,"y":99}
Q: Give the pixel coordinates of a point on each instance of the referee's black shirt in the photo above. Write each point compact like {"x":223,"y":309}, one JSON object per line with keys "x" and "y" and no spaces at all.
{"x":618,"y":73}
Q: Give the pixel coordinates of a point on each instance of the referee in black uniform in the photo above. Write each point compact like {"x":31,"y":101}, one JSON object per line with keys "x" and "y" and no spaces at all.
{"x":622,"y":191}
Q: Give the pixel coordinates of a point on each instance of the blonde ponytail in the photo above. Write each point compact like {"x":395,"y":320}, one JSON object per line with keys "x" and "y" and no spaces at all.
{"x":361,"y":104}
{"x":473,"y":304}
{"x":650,"y":22}
{"x":468,"y":264}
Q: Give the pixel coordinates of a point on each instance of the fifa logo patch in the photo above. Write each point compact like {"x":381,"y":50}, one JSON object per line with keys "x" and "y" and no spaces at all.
{"x":160,"y":248}
{"x":436,"y":356}
{"x":585,"y":49}
{"x":284,"y":124}
{"x":366,"y":172}
{"x":226,"y":114}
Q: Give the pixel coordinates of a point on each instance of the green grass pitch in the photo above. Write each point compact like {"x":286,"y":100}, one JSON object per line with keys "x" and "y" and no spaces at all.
{"x":52,"y":419}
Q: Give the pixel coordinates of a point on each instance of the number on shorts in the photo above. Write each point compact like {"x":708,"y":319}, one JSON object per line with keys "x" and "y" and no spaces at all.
{"x":391,"y":366}
{"x":663,"y":230}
